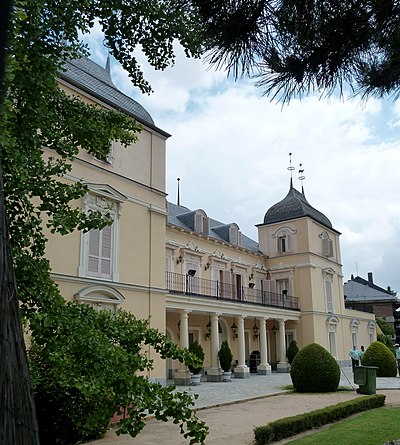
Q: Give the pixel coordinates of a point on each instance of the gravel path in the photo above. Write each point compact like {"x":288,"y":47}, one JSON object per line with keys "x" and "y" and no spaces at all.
{"x":233,"y":424}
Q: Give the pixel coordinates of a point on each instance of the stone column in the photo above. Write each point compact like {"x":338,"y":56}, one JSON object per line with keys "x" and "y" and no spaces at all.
{"x":214,"y":373}
{"x":182,"y":375}
{"x":283,"y":365}
{"x":264,"y":367}
{"x":242,"y":370}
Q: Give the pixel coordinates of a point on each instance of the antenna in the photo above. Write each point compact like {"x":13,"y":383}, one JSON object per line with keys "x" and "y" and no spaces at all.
{"x":301,"y":177}
{"x":178,"y":200}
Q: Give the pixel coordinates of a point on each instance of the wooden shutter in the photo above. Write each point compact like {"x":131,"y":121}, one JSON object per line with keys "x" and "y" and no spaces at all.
{"x":94,"y":252}
{"x":100,"y":252}
{"x":226,"y":288}
{"x":328,"y":296}
{"x":106,"y":251}
{"x":327,"y":247}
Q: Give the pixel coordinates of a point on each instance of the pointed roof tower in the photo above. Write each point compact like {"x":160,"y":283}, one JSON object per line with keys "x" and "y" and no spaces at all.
{"x":295,"y":205}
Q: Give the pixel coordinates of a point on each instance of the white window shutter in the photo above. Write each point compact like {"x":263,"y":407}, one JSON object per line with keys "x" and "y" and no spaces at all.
{"x":328,"y":296}
{"x":94,"y":251}
{"x":270,"y":286}
{"x":206,"y":226}
{"x":106,"y":251}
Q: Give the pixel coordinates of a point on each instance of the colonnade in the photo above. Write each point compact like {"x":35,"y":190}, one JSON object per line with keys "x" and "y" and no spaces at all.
{"x":214,"y":372}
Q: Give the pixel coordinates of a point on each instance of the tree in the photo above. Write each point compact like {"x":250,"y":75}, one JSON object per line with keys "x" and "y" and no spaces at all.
{"x":44,"y":35}
{"x":295,"y":47}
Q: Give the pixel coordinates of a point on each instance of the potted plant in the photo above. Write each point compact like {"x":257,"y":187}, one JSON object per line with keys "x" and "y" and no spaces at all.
{"x":196,"y":349}
{"x":225,"y":360}
{"x":292,"y":351}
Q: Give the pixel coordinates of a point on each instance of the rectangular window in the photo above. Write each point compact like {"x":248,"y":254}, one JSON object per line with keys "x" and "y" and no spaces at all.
{"x":353,"y":339}
{"x":282,"y":244}
{"x":327,"y":247}
{"x":332,"y":343}
{"x":328,"y":295}
{"x":100,"y":252}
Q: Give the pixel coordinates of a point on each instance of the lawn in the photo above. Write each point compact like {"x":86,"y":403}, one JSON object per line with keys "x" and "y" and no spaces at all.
{"x":374,"y":427}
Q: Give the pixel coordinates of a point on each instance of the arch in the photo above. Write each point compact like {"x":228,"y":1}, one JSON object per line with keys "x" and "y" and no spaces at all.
{"x":100,"y":296}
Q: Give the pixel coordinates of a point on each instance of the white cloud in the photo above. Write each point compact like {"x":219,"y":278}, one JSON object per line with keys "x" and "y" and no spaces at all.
{"x":230,"y":148}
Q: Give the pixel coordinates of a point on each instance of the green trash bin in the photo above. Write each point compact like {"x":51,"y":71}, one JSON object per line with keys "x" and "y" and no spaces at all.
{"x":365,"y":377}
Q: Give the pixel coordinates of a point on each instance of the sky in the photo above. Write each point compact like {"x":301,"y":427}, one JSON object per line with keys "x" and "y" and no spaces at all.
{"x":230,"y":148}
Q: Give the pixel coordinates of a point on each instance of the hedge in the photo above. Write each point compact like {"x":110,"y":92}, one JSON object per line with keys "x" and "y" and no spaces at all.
{"x":290,"y":426}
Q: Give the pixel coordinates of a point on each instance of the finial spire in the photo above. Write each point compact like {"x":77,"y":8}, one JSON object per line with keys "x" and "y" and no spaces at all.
{"x":291,"y":168}
{"x":301,"y":177}
{"x":178,"y":199}
{"x":108,"y":64}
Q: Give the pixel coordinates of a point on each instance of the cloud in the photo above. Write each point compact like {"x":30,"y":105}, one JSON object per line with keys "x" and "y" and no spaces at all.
{"x":230,"y":148}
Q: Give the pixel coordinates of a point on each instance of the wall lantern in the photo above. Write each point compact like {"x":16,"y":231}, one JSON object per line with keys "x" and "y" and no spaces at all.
{"x":255,"y":331}
{"x":234,"y":329}
{"x":208,"y":335}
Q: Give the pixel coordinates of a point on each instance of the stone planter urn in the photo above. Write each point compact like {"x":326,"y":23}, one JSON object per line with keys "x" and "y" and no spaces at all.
{"x":226,"y":376}
{"x":195,"y":379}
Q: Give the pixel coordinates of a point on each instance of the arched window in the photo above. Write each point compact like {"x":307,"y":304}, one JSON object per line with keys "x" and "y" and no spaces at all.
{"x":284,"y":238}
{"x":327,"y":245}
{"x":354,"y":324}
{"x":332,"y":323}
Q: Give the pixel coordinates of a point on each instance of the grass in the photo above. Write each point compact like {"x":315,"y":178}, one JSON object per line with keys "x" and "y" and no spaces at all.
{"x":374,"y":427}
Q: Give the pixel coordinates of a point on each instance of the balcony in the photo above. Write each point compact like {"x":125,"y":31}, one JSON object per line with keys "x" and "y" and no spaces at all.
{"x":216,"y":290}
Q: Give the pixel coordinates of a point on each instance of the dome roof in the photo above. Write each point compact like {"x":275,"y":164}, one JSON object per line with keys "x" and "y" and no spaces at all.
{"x":294,"y":205}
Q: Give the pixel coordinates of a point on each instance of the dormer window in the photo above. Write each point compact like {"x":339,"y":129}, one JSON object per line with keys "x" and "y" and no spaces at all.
{"x":201,"y":224}
{"x":234,"y":235}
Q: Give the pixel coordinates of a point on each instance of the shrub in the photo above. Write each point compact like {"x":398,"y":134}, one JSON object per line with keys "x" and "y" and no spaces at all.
{"x":65,"y":416}
{"x":314,"y":370}
{"x":386,"y":340}
{"x":225,"y":356}
{"x":196,"y":349}
{"x":290,"y":426}
{"x":377,"y":354}
{"x":292,"y":351}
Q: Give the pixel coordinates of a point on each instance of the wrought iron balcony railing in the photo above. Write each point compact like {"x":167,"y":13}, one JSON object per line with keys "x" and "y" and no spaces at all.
{"x":217,"y":290}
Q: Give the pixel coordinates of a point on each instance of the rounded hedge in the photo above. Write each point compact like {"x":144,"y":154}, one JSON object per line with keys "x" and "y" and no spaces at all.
{"x":314,"y":370}
{"x":378,"y":354}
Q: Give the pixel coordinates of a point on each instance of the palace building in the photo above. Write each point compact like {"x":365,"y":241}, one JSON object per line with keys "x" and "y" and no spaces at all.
{"x":193,"y":276}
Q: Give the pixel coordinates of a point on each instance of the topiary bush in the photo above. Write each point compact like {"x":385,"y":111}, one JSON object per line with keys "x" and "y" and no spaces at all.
{"x":378,"y":354}
{"x":292,"y":351}
{"x":196,"y":349}
{"x":314,"y":370}
{"x":225,"y":356}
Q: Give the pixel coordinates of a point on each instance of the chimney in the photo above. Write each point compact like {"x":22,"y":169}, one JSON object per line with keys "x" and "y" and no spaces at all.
{"x":370,"y":279}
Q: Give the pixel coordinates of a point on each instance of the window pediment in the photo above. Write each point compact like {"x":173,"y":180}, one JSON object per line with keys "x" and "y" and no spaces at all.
{"x":106,"y":191}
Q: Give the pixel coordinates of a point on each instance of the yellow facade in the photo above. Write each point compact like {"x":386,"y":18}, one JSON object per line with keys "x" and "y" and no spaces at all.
{"x":195,"y":278}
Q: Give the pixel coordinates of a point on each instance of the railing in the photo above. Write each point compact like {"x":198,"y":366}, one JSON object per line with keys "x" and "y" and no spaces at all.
{"x":217,"y":290}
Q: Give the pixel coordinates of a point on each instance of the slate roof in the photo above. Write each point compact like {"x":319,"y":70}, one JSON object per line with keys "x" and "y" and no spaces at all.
{"x":294,"y":205}
{"x":214,"y":227}
{"x":96,"y":80}
{"x":359,"y":289}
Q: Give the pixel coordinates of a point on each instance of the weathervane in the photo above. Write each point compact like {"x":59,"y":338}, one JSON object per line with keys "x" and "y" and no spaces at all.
{"x":178,"y":200}
{"x":290,"y":168}
{"x":301,"y":176}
